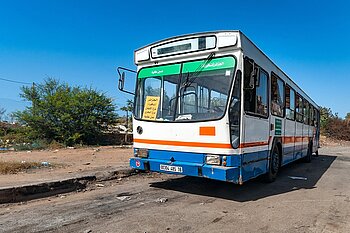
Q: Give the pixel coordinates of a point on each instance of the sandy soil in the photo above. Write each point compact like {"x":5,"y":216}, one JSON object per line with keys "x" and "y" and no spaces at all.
{"x":134,"y":204}
{"x":66,"y":163}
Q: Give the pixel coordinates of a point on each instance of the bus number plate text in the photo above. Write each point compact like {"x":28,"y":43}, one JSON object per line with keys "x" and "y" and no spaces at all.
{"x":168,"y":168}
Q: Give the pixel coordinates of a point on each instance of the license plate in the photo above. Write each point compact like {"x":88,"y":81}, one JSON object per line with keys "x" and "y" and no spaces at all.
{"x":168,"y":168}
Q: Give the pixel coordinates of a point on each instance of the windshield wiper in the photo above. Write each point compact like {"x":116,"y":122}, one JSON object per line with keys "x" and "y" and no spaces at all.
{"x":189,"y":81}
{"x":196,"y":73}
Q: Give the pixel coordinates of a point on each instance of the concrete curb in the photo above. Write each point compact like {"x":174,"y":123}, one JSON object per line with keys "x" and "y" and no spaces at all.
{"x":54,"y":187}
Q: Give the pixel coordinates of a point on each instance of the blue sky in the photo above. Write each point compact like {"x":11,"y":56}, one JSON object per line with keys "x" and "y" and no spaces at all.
{"x":82,"y":42}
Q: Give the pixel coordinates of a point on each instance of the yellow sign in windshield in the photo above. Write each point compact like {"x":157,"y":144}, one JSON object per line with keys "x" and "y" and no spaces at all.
{"x":151,"y":108}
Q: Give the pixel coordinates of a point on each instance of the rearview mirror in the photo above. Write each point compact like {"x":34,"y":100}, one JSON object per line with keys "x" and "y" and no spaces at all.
{"x":121,"y":81}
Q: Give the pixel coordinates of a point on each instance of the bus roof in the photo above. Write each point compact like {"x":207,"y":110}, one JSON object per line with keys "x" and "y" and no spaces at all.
{"x":242,"y":36}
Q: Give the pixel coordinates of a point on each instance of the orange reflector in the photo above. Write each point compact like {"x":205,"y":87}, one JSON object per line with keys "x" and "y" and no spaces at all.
{"x":207,"y":131}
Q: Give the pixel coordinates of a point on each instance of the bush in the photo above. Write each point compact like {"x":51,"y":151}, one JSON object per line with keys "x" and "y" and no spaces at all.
{"x":66,"y":114}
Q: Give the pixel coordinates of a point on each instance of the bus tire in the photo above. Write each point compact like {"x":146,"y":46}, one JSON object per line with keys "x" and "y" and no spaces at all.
{"x":274,"y":165}
{"x":308,"y":157}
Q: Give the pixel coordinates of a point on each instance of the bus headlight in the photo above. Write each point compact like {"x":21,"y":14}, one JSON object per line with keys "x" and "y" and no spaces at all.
{"x":213,"y":159}
{"x":141,"y":152}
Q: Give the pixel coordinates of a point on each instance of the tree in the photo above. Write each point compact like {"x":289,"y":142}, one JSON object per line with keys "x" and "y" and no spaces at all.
{"x":128,"y":108}
{"x":66,"y":114}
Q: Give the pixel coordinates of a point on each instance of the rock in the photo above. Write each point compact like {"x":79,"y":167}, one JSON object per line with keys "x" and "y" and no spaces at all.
{"x":99,"y":185}
{"x":162,"y":200}
{"x":124,"y":198}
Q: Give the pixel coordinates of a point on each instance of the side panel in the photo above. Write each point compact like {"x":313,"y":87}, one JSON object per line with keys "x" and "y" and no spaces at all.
{"x":255,"y":146}
{"x":298,"y":140}
{"x":289,"y":141}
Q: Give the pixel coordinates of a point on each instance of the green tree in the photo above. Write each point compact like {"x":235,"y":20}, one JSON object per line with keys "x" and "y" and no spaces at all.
{"x":326,"y":115}
{"x":66,"y":114}
{"x":127,"y":108}
{"x":347,"y":117}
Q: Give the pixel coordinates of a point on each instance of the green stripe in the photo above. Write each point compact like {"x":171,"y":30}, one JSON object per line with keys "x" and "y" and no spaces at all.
{"x":214,"y":64}
{"x":159,"y":71}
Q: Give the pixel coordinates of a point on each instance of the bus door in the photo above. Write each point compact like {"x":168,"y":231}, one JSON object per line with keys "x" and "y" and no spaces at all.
{"x":256,"y":120}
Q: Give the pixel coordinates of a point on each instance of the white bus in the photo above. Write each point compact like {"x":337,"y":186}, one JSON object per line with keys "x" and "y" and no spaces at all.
{"x":214,"y":105}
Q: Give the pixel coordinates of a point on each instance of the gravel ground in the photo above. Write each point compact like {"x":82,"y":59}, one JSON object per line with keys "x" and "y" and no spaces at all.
{"x":167,"y":203}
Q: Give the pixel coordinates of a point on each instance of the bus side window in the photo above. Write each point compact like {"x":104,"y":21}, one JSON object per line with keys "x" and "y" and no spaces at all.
{"x":235,"y":111}
{"x":255,"y":98}
{"x":277,"y":96}
{"x":299,"y":108}
{"x":290,"y":103}
{"x":306,"y":112}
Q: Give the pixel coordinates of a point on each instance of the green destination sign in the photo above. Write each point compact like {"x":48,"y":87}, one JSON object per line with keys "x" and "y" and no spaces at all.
{"x":214,"y":64}
{"x":160,"y":71}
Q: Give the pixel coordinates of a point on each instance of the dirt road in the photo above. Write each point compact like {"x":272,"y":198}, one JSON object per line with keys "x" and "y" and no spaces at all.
{"x":166,"y":203}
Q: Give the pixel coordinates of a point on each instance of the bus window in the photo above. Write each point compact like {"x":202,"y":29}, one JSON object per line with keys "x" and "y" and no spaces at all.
{"x":217,"y":101}
{"x":152,"y":88}
{"x":306,"y":112}
{"x":277,"y":96}
{"x":235,"y":111}
{"x":299,"y":108}
{"x":290,"y":103}
{"x":311,"y":111}
{"x":255,"y":98}
{"x":189,"y":100}
{"x":203,"y":99}
{"x":169,"y":96}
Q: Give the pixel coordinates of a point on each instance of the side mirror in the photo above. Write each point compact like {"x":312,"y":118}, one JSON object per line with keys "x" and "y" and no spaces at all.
{"x":121,"y":81}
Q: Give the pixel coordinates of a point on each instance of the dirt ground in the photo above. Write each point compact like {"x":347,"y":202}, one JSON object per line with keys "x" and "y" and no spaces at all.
{"x":168,"y":203}
{"x":66,"y":163}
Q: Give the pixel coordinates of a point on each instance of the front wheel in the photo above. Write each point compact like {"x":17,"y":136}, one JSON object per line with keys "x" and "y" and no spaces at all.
{"x":274,"y":165}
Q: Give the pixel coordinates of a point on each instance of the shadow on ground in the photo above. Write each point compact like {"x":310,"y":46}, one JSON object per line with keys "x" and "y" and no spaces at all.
{"x":254,"y":189}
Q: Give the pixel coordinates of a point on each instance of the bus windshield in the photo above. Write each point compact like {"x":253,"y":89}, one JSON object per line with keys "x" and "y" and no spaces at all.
{"x":198,"y":89}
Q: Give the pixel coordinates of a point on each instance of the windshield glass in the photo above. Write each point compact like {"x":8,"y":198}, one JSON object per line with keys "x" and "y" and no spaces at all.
{"x":200,"y":92}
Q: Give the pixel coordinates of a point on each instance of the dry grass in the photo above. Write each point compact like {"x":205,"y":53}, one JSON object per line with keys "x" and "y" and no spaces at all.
{"x":15,"y":167}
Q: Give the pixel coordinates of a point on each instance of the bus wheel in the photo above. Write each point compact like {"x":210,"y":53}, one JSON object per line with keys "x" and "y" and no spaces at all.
{"x":316,"y":153}
{"x":274,"y":165}
{"x":308,"y":157}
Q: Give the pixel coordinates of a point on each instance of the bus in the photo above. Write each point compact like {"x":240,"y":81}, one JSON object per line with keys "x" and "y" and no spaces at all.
{"x":214,"y":105}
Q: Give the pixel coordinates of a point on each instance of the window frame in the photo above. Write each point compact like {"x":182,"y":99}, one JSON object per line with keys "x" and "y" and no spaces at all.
{"x":306,"y":111}
{"x":254,"y":114}
{"x":285,"y":101}
{"x":283,"y":97}
{"x":300,"y":107}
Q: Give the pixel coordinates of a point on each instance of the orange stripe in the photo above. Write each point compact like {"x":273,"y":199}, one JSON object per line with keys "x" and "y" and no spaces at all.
{"x":252,"y":144}
{"x":207,"y":131}
{"x":179,"y":143}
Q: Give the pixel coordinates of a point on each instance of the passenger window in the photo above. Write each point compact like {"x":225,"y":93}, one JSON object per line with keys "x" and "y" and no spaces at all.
{"x":277,"y":96}
{"x":261,"y":95}
{"x":255,"y":94}
{"x":306,"y":112}
{"x":311,"y":110}
{"x":290,"y":103}
{"x":299,"y":108}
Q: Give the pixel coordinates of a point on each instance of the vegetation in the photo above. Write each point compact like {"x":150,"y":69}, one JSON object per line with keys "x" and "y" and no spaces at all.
{"x":333,"y":126}
{"x":66,"y":114}
{"x":13,"y":167}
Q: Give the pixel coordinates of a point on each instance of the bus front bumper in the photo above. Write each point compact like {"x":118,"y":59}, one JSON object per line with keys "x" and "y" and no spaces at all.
{"x":230,"y":174}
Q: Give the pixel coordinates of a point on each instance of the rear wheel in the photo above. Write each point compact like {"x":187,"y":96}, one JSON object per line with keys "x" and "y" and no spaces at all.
{"x":274,"y":165}
{"x":316,"y":153}
{"x":308,"y":157}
